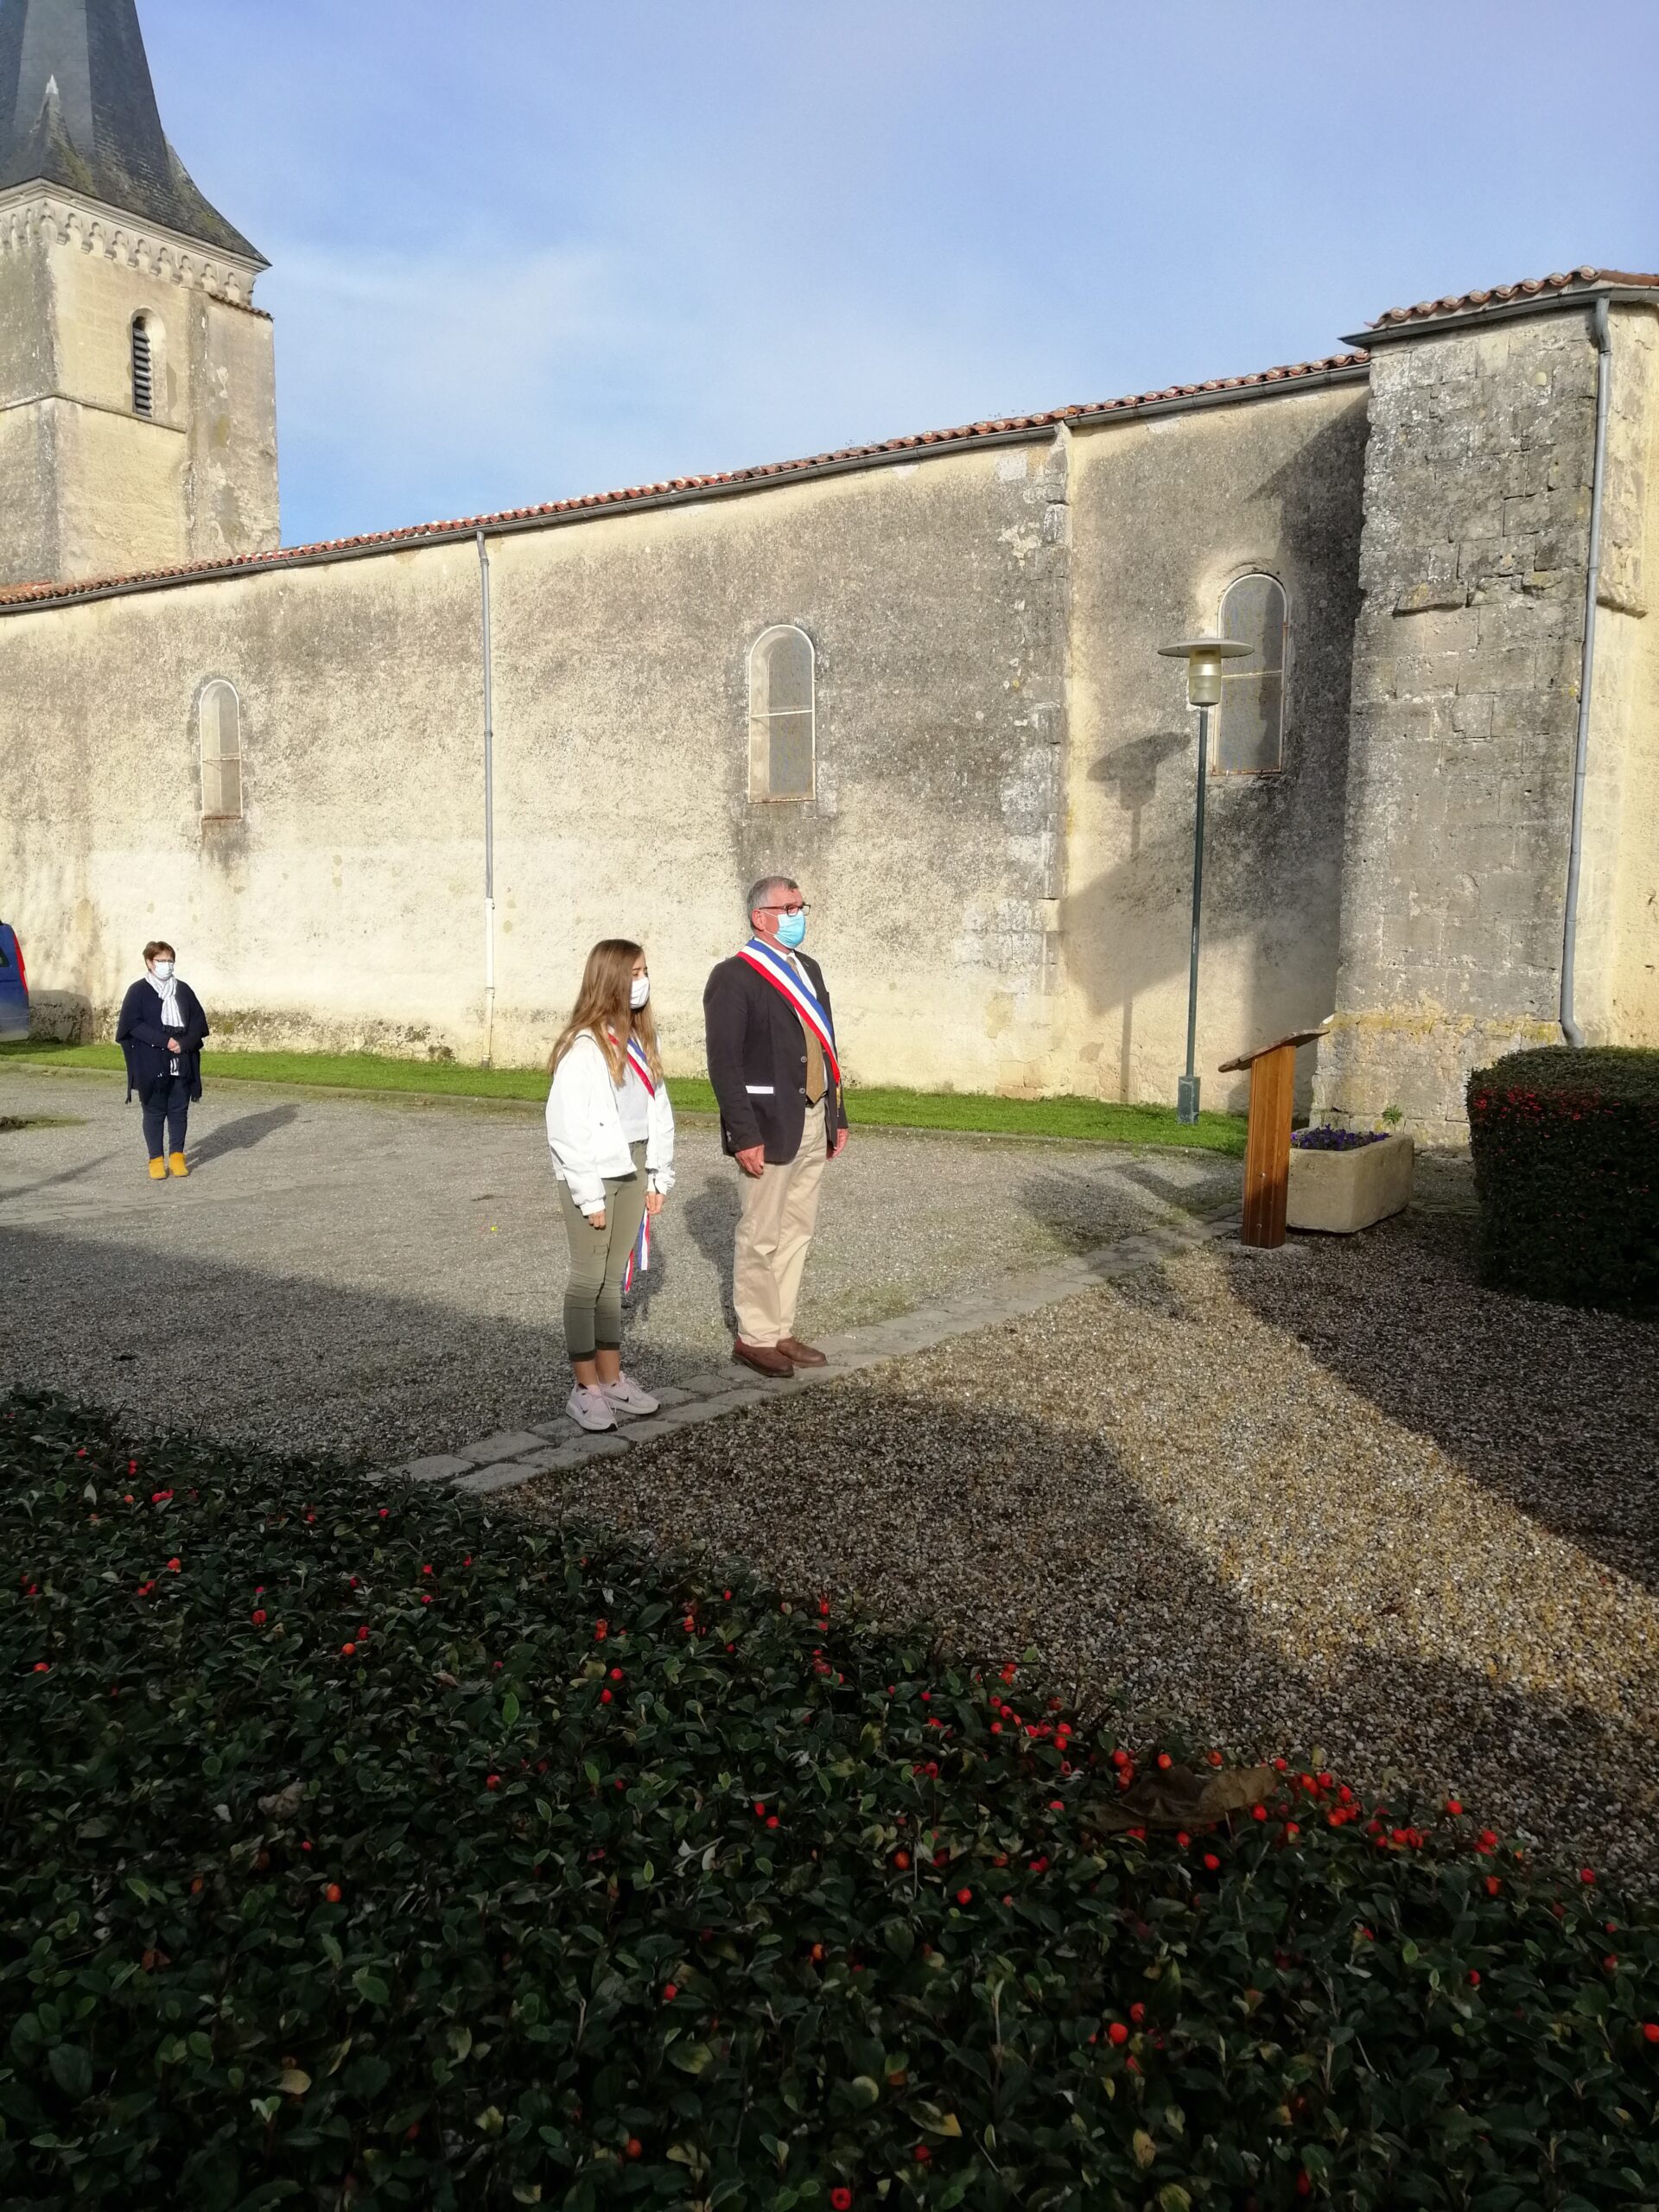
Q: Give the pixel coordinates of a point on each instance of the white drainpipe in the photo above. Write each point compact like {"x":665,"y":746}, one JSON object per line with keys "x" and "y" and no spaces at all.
{"x":1570,"y":1026}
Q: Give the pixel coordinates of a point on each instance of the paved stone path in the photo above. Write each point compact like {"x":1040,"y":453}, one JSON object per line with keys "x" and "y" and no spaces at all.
{"x":519,"y":1456}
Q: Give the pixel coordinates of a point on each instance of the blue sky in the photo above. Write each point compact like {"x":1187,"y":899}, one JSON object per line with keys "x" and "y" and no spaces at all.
{"x":526,"y":248}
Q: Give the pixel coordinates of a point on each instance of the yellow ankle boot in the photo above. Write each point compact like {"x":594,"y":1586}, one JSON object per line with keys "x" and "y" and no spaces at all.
{"x":158,"y":1170}
{"x":175,"y":1161}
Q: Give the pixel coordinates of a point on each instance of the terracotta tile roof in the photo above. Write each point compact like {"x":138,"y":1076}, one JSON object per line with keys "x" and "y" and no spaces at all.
{"x":1215,"y":390}
{"x":1530,"y":287}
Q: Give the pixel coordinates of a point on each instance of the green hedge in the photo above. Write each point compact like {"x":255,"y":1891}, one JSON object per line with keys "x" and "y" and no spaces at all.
{"x":1566,"y":1149}
{"x":363,"y":1848}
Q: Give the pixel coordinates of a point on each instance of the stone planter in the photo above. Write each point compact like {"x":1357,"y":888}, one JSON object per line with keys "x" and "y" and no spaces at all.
{"x":1341,"y":1191}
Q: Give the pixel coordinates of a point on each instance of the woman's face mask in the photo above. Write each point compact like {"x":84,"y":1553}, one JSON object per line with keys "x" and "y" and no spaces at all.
{"x":639,"y":992}
{"x":160,"y":969}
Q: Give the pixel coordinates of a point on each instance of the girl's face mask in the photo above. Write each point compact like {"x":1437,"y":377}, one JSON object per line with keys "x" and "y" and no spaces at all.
{"x":639,"y":992}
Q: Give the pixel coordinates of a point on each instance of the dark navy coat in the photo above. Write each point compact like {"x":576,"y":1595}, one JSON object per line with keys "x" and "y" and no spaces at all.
{"x":142,"y":1038}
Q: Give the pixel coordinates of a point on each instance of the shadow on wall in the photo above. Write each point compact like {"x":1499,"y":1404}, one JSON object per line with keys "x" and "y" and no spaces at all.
{"x":1273,"y":860}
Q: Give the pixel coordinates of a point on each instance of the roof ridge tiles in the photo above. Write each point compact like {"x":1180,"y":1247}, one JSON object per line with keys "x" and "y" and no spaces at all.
{"x":52,"y":592}
{"x":1496,"y":295}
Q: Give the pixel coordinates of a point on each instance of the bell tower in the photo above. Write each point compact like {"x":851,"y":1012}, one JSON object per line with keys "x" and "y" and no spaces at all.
{"x":137,"y":379}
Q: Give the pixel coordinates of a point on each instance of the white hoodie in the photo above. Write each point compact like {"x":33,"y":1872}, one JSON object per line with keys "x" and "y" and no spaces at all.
{"x":584,"y":1129}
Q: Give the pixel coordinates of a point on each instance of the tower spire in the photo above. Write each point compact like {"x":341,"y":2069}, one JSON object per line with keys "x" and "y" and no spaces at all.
{"x":78,"y":111}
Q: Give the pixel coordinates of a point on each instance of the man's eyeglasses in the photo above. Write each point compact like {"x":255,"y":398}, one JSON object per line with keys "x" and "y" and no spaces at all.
{"x":799,"y":906}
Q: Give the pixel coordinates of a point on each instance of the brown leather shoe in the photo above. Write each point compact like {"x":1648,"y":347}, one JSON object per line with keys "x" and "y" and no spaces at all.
{"x":763,"y":1360}
{"x":801,"y":1354}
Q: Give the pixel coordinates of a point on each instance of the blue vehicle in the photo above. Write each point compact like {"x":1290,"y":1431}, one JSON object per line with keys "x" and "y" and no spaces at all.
{"x":14,"y":987}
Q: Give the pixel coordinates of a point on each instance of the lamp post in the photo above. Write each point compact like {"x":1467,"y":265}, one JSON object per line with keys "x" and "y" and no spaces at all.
{"x":1204,"y":658}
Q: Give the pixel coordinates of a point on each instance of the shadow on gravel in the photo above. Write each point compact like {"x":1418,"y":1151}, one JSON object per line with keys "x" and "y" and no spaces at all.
{"x":242,"y":1134}
{"x":1011,"y":1535}
{"x":283,"y":1361}
{"x":1553,"y":1409}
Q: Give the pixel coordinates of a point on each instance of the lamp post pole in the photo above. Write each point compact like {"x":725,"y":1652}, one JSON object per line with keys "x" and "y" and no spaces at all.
{"x":1204,"y":658}
{"x":1186,"y":1108}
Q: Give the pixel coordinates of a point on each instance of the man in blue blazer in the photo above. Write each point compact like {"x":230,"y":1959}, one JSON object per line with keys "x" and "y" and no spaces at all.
{"x":776,"y":1072}
{"x":161,"y":1033}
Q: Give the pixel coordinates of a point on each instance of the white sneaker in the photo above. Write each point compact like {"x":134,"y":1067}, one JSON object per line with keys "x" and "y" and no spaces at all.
{"x":590,"y":1408}
{"x":626,"y":1397}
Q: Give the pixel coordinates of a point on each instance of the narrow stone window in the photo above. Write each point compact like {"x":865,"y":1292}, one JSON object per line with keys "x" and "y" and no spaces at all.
{"x":220,"y":717}
{"x":782,"y":714}
{"x":144,"y":368}
{"x":1251,"y":741}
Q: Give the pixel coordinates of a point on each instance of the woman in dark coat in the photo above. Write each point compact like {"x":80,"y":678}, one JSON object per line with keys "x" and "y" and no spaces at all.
{"x":161,"y":1030}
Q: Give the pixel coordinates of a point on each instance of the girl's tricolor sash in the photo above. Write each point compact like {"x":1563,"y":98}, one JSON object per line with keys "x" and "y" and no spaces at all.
{"x":639,"y":1258}
{"x":766,"y":961}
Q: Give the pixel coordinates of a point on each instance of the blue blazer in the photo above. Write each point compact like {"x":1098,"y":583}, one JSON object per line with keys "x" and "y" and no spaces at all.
{"x":142,"y":1040}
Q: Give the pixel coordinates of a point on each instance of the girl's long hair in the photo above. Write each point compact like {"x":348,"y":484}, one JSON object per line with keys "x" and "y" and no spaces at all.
{"x":602,"y":1010}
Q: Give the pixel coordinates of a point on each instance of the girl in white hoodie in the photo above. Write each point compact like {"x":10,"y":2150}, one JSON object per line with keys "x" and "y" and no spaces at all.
{"x":611,"y":1130}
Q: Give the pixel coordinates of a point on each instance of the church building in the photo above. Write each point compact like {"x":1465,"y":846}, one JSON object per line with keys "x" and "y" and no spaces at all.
{"x":383,"y":793}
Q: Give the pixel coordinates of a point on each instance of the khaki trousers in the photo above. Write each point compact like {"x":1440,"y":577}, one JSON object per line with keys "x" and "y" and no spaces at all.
{"x":780,"y":1210}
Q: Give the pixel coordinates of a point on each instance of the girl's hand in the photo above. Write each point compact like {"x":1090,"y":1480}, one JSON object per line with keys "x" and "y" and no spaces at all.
{"x":653,"y":1201}
{"x":598,"y":1219}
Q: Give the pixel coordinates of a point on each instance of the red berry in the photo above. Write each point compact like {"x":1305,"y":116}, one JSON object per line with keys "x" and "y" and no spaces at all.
{"x":347,"y":1650}
{"x":1650,"y":2030}
{"x":636,"y":2148}
{"x":901,"y":1860}
{"x":922,"y":2154}
{"x":1588,"y":1875}
{"x":1163,"y":1760}
{"x":492,"y":1782}
{"x":841,"y":2199}
{"x":1474,"y":1978}
{"x":1211,"y":1861}
{"x":1453,"y":1807}
{"x":964,"y":1897}
{"x":670,"y":1991}
{"x":1117,"y":2033}
{"x":333,"y":1893}
{"x":1137,"y":2013}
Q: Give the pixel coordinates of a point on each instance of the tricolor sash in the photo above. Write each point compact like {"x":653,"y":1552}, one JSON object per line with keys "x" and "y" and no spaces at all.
{"x":766,"y":961}
{"x":640,"y":1257}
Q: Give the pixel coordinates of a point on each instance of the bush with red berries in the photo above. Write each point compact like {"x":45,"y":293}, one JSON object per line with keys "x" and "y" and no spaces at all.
{"x":329,"y":1878}
{"x":1566,"y":1147}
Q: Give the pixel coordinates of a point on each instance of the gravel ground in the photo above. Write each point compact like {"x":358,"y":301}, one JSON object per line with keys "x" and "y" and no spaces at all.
{"x":378,"y":1275}
{"x":1338,"y":1500}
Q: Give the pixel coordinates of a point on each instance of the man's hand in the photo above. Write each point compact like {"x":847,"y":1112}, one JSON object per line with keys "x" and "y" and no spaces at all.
{"x":653,"y":1201}
{"x":175,"y":1044}
{"x":840,"y":1145}
{"x":753,"y":1159}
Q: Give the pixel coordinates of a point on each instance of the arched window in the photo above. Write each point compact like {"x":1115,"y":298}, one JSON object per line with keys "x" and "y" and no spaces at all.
{"x":220,"y":714}
{"x":1251,"y":741}
{"x":144,"y":368}
{"x":781,"y":714}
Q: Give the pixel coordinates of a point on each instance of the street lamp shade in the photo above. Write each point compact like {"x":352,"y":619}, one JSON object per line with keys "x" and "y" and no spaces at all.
{"x":1203,"y":656}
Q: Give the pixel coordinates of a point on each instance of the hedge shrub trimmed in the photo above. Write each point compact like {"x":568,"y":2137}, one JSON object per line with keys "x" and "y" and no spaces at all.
{"x":362,"y":1849}
{"x":1566,"y":1147}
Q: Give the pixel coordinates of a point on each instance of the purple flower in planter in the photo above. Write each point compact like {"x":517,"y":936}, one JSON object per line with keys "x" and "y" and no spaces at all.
{"x":1330,"y":1139}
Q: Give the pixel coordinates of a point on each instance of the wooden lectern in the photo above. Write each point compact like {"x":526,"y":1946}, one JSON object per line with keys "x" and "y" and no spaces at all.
{"x":1267,"y":1147}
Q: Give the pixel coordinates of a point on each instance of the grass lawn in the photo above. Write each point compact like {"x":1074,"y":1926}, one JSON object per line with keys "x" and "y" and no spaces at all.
{"x":1091,"y":1118}
{"x":366,"y":1847}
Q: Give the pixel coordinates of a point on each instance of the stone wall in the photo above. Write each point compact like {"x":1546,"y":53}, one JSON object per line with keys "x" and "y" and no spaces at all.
{"x":995,"y":895}
{"x":1466,"y":662}
{"x":1168,"y":512}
